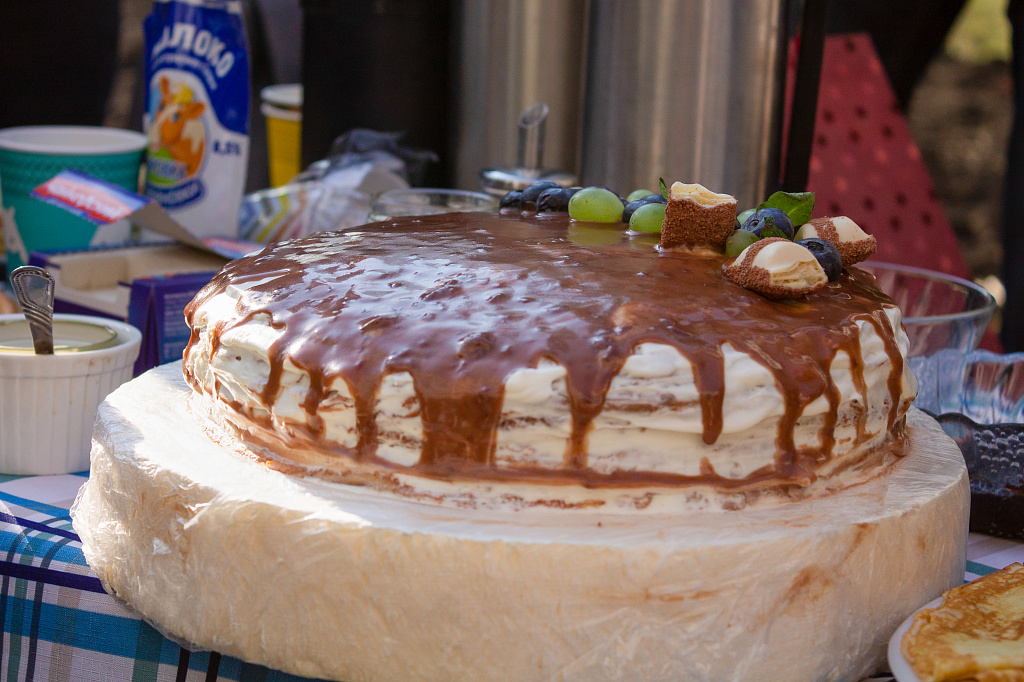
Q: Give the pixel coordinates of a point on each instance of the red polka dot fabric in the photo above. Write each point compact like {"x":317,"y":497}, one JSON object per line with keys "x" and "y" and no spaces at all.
{"x":864,"y":163}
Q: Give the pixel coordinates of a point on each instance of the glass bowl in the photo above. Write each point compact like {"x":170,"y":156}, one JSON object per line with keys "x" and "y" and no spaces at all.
{"x":939,"y":311}
{"x":428,"y":201}
{"x":978,"y":399}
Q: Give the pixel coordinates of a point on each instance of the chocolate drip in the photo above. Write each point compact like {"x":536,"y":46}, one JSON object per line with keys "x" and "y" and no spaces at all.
{"x":462,"y":301}
{"x":709,"y":378}
{"x":859,"y":385}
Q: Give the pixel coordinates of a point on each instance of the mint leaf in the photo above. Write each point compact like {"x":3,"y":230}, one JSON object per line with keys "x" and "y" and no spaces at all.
{"x":797,"y":205}
{"x":772,"y":232}
{"x":662,"y":187}
{"x":769,"y":229}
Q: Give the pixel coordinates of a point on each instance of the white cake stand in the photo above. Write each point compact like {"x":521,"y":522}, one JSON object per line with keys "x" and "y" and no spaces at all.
{"x":324,"y":580}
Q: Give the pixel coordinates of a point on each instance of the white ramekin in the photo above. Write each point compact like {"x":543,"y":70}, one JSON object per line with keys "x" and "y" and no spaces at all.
{"x":48,"y":403}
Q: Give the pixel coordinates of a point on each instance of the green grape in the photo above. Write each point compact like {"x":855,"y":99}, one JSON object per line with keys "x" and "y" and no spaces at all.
{"x":638,"y":194}
{"x":737,"y":241}
{"x":595,"y":204}
{"x":647,"y":218}
{"x":742,"y":217}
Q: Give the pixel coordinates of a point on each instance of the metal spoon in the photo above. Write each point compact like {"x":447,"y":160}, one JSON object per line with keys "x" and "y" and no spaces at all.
{"x":34,"y":289}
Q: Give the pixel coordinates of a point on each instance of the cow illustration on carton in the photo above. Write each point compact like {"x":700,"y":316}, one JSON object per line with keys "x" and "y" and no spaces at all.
{"x":177,"y":133}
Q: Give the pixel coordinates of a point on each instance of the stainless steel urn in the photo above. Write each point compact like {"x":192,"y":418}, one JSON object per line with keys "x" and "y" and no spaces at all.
{"x":512,"y":54}
{"x":690,"y":90}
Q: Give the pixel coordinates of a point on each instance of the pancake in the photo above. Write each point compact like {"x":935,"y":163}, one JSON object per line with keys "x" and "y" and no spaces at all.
{"x":976,"y":634}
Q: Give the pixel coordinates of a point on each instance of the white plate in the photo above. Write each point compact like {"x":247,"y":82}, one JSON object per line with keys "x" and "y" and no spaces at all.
{"x":898,"y":665}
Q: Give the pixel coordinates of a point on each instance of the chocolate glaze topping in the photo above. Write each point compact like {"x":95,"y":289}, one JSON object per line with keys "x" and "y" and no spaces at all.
{"x":461,"y":301}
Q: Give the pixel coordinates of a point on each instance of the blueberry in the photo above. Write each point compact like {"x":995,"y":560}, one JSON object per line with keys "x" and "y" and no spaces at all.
{"x":632,"y":206}
{"x":764,"y":218}
{"x":827,"y":255}
{"x":555,"y":200}
{"x":513,"y":199}
{"x":531,"y":193}
{"x":627,"y":212}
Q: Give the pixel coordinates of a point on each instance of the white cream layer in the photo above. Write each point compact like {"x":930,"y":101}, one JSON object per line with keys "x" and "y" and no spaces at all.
{"x":651,"y":420}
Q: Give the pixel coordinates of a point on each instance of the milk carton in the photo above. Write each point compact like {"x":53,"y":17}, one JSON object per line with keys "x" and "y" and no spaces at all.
{"x":197,"y":112}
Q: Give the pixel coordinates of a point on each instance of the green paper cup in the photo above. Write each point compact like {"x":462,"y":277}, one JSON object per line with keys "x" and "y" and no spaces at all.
{"x":31,"y":155}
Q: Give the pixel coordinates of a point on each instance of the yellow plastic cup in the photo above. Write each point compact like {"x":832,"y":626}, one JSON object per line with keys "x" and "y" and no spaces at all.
{"x":282,"y":109}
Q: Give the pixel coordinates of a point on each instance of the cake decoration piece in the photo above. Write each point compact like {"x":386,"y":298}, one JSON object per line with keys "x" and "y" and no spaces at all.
{"x":640,"y":194}
{"x":769,"y":222}
{"x":827,"y":254}
{"x":853,"y":243}
{"x":533,"y":192}
{"x":596,"y":204}
{"x":737,"y":241}
{"x":648,"y":218}
{"x":555,"y":200}
{"x":776,"y":268}
{"x":634,"y":204}
{"x":697,"y":217}
{"x":797,"y":206}
{"x":512,"y":200}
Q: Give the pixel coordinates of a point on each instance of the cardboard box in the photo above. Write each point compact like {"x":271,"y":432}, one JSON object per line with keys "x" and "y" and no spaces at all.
{"x":146,"y":286}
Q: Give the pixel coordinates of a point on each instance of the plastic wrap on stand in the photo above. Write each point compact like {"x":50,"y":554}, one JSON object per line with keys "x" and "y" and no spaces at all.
{"x":334,"y":193}
{"x":348,"y":583}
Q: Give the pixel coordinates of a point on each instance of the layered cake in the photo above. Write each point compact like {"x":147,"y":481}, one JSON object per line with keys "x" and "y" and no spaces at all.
{"x":495,"y":358}
{"x":531,"y":447}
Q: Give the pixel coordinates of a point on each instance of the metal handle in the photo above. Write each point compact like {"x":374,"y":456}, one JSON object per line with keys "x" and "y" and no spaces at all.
{"x":34,"y":289}
{"x":531,"y":136}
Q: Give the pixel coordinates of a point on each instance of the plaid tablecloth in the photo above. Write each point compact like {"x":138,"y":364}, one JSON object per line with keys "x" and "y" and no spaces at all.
{"x":60,"y":625}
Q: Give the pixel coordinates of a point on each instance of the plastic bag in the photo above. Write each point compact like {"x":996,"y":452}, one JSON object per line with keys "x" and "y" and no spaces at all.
{"x":333,"y":193}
